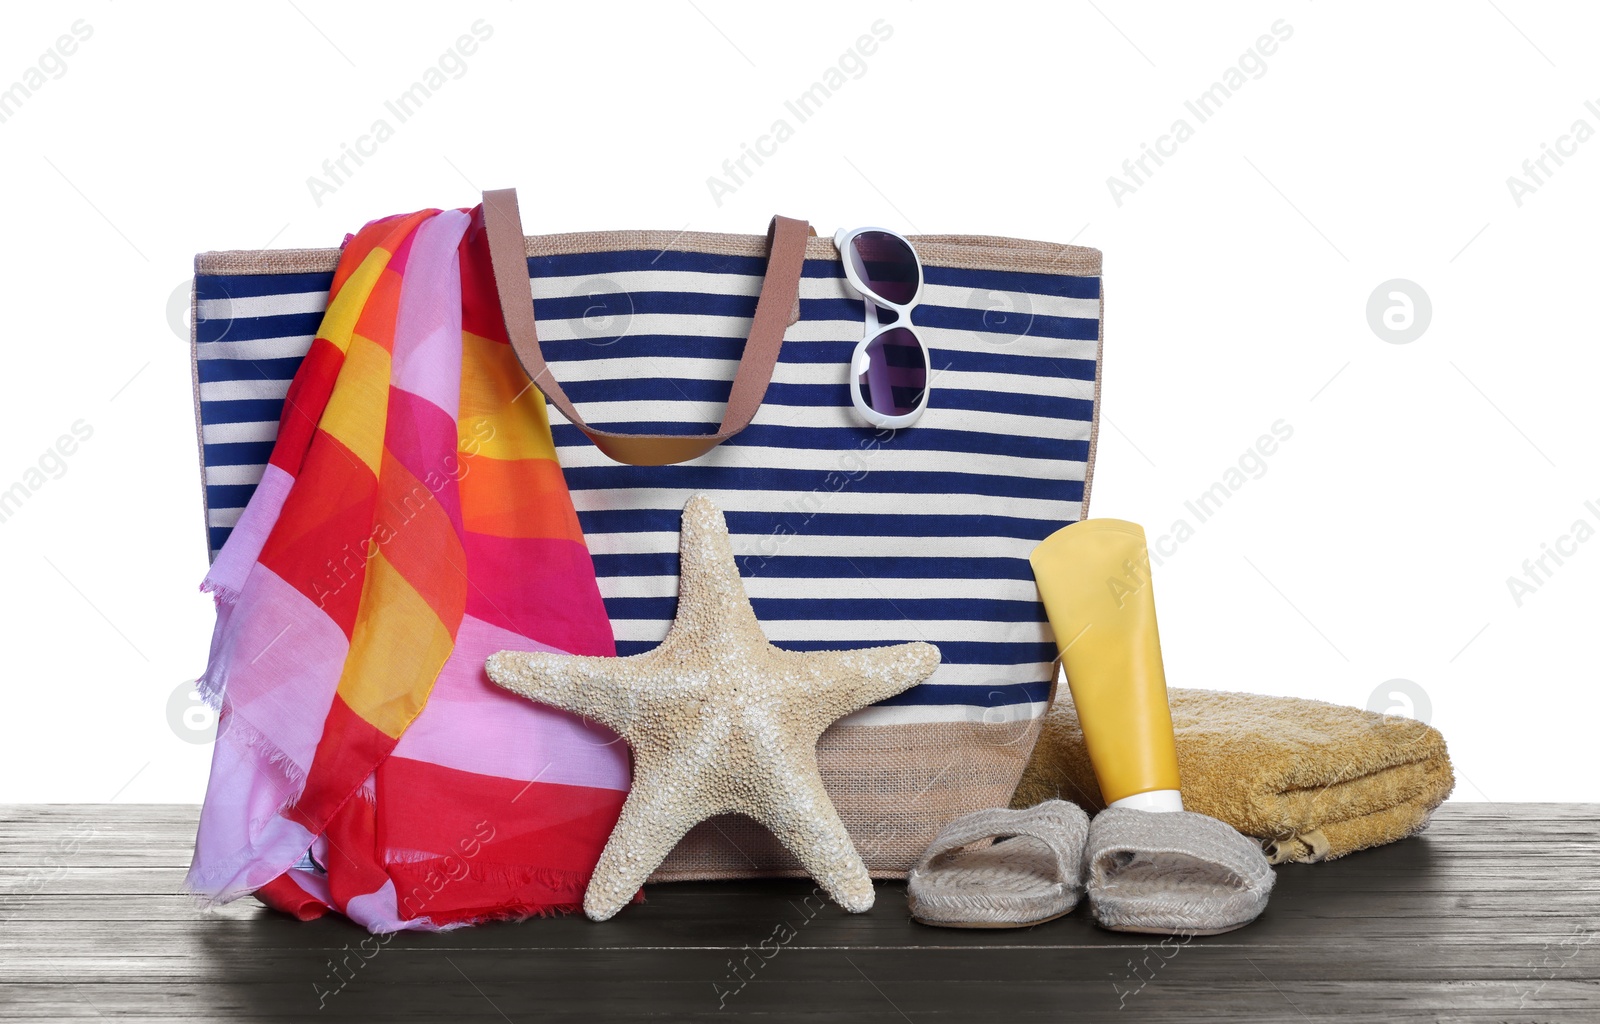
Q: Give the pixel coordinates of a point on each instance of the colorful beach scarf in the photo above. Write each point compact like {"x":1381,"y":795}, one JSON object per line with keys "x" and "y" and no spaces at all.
{"x":412,"y":521}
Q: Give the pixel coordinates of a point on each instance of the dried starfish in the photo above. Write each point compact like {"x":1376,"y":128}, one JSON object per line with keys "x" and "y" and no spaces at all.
{"x":719,"y":721}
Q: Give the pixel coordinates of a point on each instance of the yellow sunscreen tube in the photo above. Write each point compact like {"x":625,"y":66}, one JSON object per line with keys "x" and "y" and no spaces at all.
{"x":1094,"y":577}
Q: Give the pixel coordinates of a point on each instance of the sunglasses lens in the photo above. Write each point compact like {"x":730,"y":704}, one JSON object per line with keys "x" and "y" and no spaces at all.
{"x":886,"y":264}
{"x":895,"y":373}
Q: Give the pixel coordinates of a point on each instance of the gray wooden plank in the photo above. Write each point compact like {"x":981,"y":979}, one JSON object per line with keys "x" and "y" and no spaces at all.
{"x":1492,"y":915}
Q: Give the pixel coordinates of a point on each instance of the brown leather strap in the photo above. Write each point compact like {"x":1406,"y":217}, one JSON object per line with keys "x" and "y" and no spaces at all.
{"x":776,"y":309}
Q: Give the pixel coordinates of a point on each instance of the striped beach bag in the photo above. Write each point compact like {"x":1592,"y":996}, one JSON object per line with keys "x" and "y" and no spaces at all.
{"x":847,"y":535}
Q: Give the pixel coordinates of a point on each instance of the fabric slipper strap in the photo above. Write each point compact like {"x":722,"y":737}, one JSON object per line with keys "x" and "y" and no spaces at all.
{"x":776,"y":309}
{"x":1058,"y":827}
{"x":1181,"y":833}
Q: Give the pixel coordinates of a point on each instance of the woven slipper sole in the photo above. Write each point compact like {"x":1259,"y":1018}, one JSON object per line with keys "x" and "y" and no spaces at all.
{"x":986,"y":925}
{"x":1198,"y":933}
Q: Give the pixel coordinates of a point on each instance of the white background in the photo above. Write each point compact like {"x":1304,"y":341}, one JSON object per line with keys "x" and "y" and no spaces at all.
{"x":1376,"y":145}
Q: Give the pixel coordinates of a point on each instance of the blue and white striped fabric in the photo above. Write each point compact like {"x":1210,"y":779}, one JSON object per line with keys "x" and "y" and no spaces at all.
{"x":847,"y":535}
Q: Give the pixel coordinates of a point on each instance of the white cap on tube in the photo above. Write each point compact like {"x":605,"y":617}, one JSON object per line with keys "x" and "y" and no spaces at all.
{"x":1155,"y":800}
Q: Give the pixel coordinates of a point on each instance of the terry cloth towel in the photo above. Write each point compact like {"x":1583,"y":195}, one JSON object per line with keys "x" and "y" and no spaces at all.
{"x":1313,"y":781}
{"x":412,"y":520}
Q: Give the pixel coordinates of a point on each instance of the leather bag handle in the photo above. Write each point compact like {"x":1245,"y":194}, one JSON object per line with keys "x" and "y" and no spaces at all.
{"x":776,"y":309}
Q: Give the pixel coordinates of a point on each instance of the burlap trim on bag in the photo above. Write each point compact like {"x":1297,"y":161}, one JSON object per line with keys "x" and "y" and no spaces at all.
{"x":967,"y":252}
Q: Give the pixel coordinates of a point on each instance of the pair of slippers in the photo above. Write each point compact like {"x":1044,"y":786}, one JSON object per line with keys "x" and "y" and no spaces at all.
{"x":1159,"y":872}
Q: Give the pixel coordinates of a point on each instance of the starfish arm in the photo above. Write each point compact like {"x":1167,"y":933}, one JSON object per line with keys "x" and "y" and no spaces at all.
{"x":804,"y":820}
{"x":583,"y":685}
{"x":711,"y":595}
{"x":848,"y":681}
{"x":661,"y":808}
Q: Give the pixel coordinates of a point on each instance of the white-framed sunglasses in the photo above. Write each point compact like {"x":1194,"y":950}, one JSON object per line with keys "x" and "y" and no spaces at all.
{"x":890,"y":368}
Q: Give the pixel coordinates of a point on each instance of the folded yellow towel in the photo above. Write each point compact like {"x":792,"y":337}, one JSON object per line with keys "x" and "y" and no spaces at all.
{"x":1314,"y":781}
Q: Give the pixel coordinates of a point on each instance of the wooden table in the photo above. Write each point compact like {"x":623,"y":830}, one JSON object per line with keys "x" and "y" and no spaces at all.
{"x":1493,"y":915}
